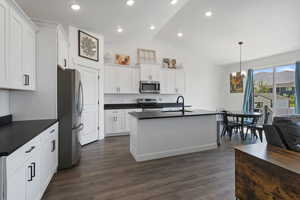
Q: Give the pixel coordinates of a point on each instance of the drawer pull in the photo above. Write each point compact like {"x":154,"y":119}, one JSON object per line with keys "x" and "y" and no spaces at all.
{"x":33,"y":165}
{"x":30,"y":169}
{"x":52,"y":131}
{"x":53,"y":146}
{"x":30,"y":150}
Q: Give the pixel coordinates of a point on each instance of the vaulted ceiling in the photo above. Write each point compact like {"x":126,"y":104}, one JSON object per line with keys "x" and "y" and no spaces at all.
{"x":267,"y":27}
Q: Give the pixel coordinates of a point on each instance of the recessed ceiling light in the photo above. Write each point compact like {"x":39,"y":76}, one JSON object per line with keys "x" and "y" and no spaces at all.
{"x":130,"y":2}
{"x":120,"y":30}
{"x":173,"y":2}
{"x":180,"y":34}
{"x":152,"y":27}
{"x":208,"y":14}
{"x":75,"y":7}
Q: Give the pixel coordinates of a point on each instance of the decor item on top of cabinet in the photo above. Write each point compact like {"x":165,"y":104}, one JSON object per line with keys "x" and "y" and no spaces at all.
{"x":173,"y":63}
{"x":122,"y":59}
{"x":88,"y":46}
{"x":146,"y":56}
{"x":166,"y":62}
{"x":236,"y":82}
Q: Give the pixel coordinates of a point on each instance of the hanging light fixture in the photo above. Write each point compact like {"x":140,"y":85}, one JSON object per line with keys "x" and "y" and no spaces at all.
{"x":241,"y":73}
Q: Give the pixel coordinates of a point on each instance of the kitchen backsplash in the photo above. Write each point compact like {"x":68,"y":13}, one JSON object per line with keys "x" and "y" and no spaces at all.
{"x":4,"y":103}
{"x":116,"y":99}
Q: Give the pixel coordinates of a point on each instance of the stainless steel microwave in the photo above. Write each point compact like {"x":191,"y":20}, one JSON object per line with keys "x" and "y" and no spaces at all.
{"x":150,"y":87}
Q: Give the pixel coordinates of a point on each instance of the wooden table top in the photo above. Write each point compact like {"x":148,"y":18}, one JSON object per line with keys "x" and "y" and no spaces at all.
{"x":286,"y":159}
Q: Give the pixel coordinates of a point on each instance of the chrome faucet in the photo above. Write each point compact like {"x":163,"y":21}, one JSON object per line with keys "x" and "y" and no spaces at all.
{"x":182,"y":102}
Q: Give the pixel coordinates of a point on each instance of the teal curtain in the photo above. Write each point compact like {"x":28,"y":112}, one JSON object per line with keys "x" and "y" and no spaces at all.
{"x":248,"y":95}
{"x":297,"y":84}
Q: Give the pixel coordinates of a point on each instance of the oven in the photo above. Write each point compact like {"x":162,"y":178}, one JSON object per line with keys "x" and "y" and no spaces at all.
{"x":149,"y":87}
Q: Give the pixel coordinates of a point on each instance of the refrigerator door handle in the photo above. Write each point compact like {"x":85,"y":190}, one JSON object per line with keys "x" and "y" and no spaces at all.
{"x":81,"y":98}
{"x":79,"y":127}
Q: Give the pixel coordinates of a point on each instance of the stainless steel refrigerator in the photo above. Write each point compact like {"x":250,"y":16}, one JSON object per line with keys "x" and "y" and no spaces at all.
{"x":70,"y":107}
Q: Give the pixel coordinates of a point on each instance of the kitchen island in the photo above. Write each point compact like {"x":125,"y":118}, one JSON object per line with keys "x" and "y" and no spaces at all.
{"x":158,"y":134}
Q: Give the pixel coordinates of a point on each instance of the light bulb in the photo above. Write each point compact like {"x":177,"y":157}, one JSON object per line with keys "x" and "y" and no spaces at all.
{"x":130,"y":2}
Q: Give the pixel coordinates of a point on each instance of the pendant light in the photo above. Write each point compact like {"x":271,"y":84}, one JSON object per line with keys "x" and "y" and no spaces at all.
{"x":243,"y":73}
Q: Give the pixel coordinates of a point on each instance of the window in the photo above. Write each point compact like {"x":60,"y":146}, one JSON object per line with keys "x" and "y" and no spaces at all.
{"x":263,"y":88}
{"x":285,"y":89}
{"x":275,"y":87}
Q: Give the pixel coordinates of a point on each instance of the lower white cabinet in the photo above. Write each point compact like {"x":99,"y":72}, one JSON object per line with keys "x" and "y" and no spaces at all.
{"x":30,"y":168}
{"x":116,"y":122}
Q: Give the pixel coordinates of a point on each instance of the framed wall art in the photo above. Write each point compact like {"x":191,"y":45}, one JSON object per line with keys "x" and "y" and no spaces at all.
{"x":88,"y":46}
{"x":146,"y":56}
{"x":122,"y":59}
{"x":236,"y":83}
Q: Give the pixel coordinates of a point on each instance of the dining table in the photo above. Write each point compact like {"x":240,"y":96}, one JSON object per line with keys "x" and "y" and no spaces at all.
{"x":240,"y":116}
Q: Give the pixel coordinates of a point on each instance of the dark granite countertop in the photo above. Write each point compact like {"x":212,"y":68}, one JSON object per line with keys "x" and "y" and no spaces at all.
{"x":16,"y":134}
{"x":139,"y":106}
{"x":160,"y":114}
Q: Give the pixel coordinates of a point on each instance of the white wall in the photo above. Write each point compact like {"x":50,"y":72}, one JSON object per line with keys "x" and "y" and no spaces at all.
{"x":232,"y":101}
{"x":4,"y":103}
{"x":40,"y":104}
{"x":201,"y":75}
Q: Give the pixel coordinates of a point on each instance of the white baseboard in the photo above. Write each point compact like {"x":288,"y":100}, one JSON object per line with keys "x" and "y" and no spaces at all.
{"x":116,"y":134}
{"x":175,"y":152}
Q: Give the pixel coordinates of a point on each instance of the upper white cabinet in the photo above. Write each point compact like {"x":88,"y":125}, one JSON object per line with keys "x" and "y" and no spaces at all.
{"x":179,"y":81}
{"x":4,"y":41}
{"x":17,"y":48}
{"x":168,"y":80}
{"x":121,"y":80}
{"x":29,"y":58}
{"x":62,"y":48}
{"x":172,"y":81}
{"x":150,"y":72}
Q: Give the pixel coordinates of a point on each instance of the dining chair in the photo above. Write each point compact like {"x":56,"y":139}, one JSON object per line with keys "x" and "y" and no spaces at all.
{"x":259,"y":127}
{"x":228,"y":125}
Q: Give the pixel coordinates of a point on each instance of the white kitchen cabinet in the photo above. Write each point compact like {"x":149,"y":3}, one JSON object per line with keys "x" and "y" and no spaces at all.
{"x":114,"y":122}
{"x":16,"y":186}
{"x":49,"y":155}
{"x":168,"y":81}
{"x":33,"y":173}
{"x":180,"y":81}
{"x":30,"y":168}
{"x":4,"y":41}
{"x":15,"y":51}
{"x":150,"y":72}
{"x":62,"y":48}
{"x":117,"y":122}
{"x":110,"y":80}
{"x":172,"y":81}
{"x":29,"y":56}
{"x":17,"y":48}
{"x":121,"y":80}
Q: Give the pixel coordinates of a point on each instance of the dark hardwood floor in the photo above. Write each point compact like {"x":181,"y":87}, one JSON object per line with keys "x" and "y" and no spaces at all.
{"x":108,"y":172}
